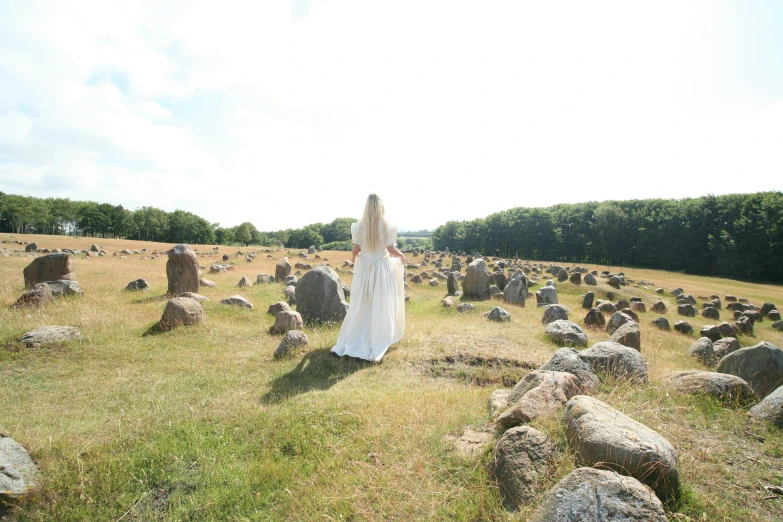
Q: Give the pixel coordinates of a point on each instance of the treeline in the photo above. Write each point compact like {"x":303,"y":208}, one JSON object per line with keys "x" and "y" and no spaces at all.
{"x":736,"y":235}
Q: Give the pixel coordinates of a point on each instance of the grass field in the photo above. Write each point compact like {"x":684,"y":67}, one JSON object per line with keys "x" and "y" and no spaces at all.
{"x":201,"y":423}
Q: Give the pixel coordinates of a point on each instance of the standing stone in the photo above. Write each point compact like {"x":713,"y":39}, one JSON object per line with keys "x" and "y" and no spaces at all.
{"x":182,"y":270}
{"x":476,"y":283}
{"x":616,"y":321}
{"x":282,"y":269}
{"x":452,"y":284}
{"x":760,"y":365}
{"x":599,"y":434}
{"x":710,"y":313}
{"x":181,"y":311}
{"x":516,"y":289}
{"x":562,"y":276}
{"x":587,"y":300}
{"x":702,"y":350}
{"x":18,"y":472}
{"x":597,"y":495}
{"x":245,"y":281}
{"x":576,"y":278}
{"x":31,"y":247}
{"x":522,"y":458}
{"x":546,"y":295}
{"x":320,"y":296}
{"x":51,"y":267}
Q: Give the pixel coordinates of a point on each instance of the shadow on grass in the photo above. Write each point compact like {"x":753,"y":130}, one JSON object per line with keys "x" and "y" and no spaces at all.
{"x":155,"y":329}
{"x":318,"y":370}
{"x":152,"y":299}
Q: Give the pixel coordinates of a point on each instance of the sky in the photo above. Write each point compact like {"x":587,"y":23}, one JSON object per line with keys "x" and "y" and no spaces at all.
{"x":285,"y":113}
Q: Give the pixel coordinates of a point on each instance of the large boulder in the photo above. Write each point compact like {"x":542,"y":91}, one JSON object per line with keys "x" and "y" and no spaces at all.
{"x":538,"y":394}
{"x":282,"y":269}
{"x":766,"y":308}
{"x":710,"y":331}
{"x":498,"y":279}
{"x":31,"y":247}
{"x":65,"y":287}
{"x":320,"y":297}
{"x":476,"y":282}
{"x":52,"y":267}
{"x":516,"y":291}
{"x":568,"y":360}
{"x":597,"y":495}
{"x":38,"y":297}
{"x":599,"y":434}
{"x":566,"y":333}
{"x":553,"y":313}
{"x":182,"y":270}
{"x":771,"y":408}
{"x":760,"y":365}
{"x":607,"y":307}
{"x":181,"y":311}
{"x":616,"y":360}
{"x":18,"y":472}
{"x":521,"y":460}
{"x":722,"y":386}
{"x":629,"y":335}
{"x":683,"y":327}
{"x":710,"y":313}
{"x":50,"y":335}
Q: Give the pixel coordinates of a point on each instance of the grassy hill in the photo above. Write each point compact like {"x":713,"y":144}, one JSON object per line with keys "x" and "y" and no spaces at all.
{"x":201,"y":423}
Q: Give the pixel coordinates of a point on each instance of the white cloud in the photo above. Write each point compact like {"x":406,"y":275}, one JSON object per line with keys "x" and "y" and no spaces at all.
{"x":451,"y":110}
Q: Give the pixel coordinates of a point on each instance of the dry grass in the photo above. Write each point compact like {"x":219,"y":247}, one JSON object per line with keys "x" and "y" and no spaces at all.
{"x":201,"y":423}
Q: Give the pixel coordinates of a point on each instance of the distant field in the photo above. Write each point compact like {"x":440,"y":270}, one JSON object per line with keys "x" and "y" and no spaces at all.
{"x":201,"y":423}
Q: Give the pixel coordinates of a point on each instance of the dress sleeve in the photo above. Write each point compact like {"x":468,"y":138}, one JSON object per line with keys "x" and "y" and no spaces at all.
{"x":391,"y":236}
{"x":355,"y":233}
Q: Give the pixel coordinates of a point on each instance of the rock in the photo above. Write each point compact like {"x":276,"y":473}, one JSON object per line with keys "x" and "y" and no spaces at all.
{"x":760,"y":365}
{"x":687,"y":310}
{"x":637,"y":306}
{"x":498,"y":402}
{"x":710,"y":331}
{"x":546,"y":296}
{"x":710,"y":313}
{"x":607,"y":308}
{"x":617,"y":360}
{"x":658,"y":307}
{"x":616,"y":321}
{"x":516,"y":290}
{"x":566,"y":333}
{"x":702,"y":350}
{"x":52,"y":267}
{"x":539,"y":393}
{"x":629,"y":335}
{"x":599,"y":434}
{"x":282,"y":269}
{"x":207,"y":283}
{"x":193,"y":295}
{"x":778,"y":325}
{"x":263,"y":279}
{"x":50,"y":335}
{"x":138,"y":284}
{"x":614,"y":282}
{"x":621,"y":304}
{"x":587,"y":300}
{"x":476,"y":283}
{"x":181,"y":311}
{"x":31,"y":247}
{"x":722,"y":347}
{"x":562,"y":276}
{"x":278,"y":307}
{"x":498,"y":279}
{"x":553,"y":313}
{"x":568,"y":360}
{"x":465,"y":307}
{"x":452,"y":283}
{"x":744,"y":326}
{"x":498,"y":315}
{"x":220,"y":269}
{"x":770,"y":409}
{"x":521,"y":460}
{"x":416,"y":279}
{"x":661,"y":323}
{"x":766,"y":308}
{"x":683,"y":327}
{"x":590,"y":280}
{"x":575,"y":278}
{"x":291,"y":281}
{"x":286,"y":321}
{"x":292,"y":340}
{"x":773,"y":315}
{"x":597,"y":495}
{"x":182,"y":270}
{"x":38,"y":297}
{"x":595,"y":319}
{"x":320,"y":296}
{"x":65,"y":287}
{"x":447,"y":302}
{"x":18,"y":472}
{"x":724,"y":387}
{"x":237,"y":300}
{"x":245,"y":281}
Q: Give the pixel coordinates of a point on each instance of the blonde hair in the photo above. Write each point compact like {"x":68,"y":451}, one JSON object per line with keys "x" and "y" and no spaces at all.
{"x":372,"y":227}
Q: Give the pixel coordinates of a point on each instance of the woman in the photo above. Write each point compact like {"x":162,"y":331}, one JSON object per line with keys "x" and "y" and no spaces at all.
{"x":376,"y":317}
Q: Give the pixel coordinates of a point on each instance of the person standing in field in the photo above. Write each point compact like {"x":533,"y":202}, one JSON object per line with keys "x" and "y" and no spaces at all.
{"x":376,"y":317}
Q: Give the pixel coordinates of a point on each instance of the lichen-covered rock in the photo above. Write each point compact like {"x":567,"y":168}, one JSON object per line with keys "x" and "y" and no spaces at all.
{"x":569,"y":360}
{"x":629,"y":334}
{"x":286,"y":321}
{"x":320,"y":297}
{"x":237,"y":300}
{"x":722,"y":386}
{"x":292,"y":341}
{"x":50,"y":335}
{"x":18,"y":472}
{"x":539,"y":393}
{"x":521,"y":460}
{"x":38,"y":297}
{"x":566,"y":333}
{"x":181,"y":311}
{"x":553,"y":313}
{"x":771,"y":408}
{"x":65,"y":287}
{"x":182,"y":270}
{"x":498,"y":315}
{"x":616,"y":360}
{"x":760,"y":365}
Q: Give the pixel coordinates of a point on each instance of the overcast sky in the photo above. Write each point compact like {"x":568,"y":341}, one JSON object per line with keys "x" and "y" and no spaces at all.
{"x":287,"y":113}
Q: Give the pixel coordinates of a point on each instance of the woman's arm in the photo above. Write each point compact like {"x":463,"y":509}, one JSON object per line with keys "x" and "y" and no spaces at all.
{"x":356,"y":250}
{"x":392,"y":250}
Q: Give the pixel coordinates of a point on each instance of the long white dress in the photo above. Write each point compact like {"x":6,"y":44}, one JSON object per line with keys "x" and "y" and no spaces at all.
{"x":376,"y":317}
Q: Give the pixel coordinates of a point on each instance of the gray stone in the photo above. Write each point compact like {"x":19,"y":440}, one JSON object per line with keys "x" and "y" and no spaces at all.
{"x":181,"y":311}
{"x":286,"y":321}
{"x":498,"y":402}
{"x":182,"y":270}
{"x":282,"y":269}
{"x":658,"y":307}
{"x":683,"y":327}
{"x":38,"y":297}
{"x":207,"y":283}
{"x":452,"y":283}
{"x":597,"y":495}
{"x":599,"y":434}
{"x":498,"y":279}
{"x":65,"y":287}
{"x":546,"y":296}
{"x":711,"y":313}
{"x":521,"y":461}
{"x":771,"y":408}
{"x":18,"y":472}
{"x":616,"y":321}
{"x":766,"y":308}
{"x":245,"y":281}
{"x":476,"y":282}
{"x":569,"y":360}
{"x":710,"y":331}
{"x":498,"y":315}
{"x":538,"y":394}
{"x":575,"y":278}
{"x":590,"y":280}
{"x":237,"y":300}
{"x":702,"y":350}
{"x":320,"y":297}
{"x":138,"y":284}
{"x":263,"y":279}
{"x":722,"y":347}
{"x":778,"y":325}
{"x":661,"y":323}
{"x":587,"y":300}
{"x":760,"y":365}
{"x":595,"y":319}
{"x":607,"y":308}
{"x":566,"y":333}
{"x":616,"y":360}
{"x":614,"y":282}
{"x":31,"y":247}
{"x":722,"y":386}
{"x":276,"y":308}
{"x":50,"y":335}
{"x":193,"y":295}
{"x":687,"y":310}
{"x":52,"y":267}
{"x":553,"y":313}
{"x":516,"y":290}
{"x":292,"y":340}
{"x":465,"y":307}
{"x":629,"y":335}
